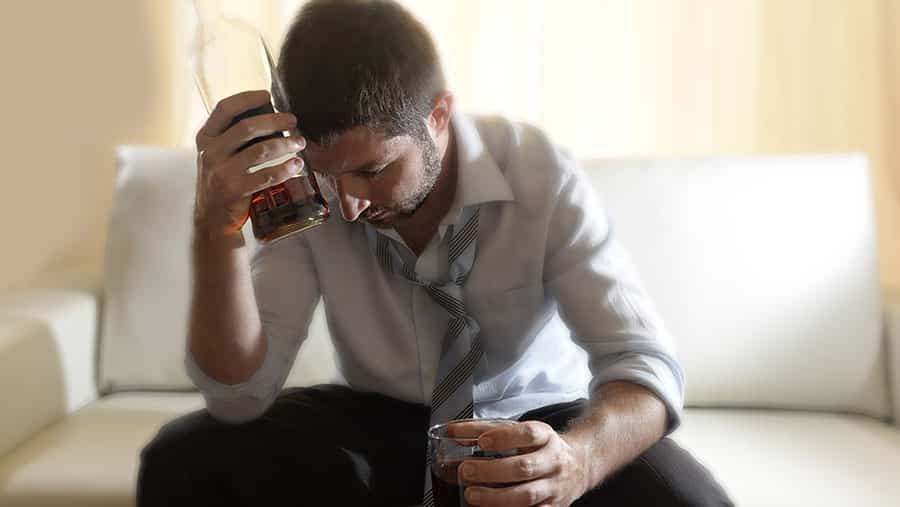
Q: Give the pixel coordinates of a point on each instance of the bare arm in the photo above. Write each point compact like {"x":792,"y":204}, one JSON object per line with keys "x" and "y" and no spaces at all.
{"x":622,"y":422}
{"x":225,"y":332}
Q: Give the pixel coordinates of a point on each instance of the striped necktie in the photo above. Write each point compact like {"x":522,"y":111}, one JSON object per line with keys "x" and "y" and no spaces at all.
{"x":461,"y":350}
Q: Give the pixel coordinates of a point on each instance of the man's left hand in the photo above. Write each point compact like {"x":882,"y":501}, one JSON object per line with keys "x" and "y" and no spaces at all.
{"x":550,"y":471}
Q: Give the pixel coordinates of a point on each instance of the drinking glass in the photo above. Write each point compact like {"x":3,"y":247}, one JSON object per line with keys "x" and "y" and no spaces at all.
{"x":451,"y":443}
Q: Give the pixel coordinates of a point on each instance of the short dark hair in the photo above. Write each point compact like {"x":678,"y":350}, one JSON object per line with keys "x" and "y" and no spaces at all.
{"x":350,"y":63}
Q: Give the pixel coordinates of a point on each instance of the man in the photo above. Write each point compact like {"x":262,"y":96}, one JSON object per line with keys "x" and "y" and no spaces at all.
{"x":473,"y":275}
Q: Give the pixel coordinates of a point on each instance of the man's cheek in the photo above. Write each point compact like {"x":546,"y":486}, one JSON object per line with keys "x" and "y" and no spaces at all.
{"x":391,"y":193}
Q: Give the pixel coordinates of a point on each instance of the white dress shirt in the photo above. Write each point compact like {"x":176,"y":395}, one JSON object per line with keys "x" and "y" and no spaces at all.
{"x":560,"y":307}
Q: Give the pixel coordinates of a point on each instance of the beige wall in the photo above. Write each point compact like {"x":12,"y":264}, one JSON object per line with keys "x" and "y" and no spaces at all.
{"x":79,"y":78}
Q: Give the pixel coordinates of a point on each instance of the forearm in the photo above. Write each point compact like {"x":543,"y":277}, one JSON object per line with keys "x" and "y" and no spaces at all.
{"x":225,"y":332}
{"x":623,"y":421}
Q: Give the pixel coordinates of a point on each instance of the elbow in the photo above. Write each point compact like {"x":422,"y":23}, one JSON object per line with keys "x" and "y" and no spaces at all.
{"x":233,"y":403}
{"x":237,"y":410}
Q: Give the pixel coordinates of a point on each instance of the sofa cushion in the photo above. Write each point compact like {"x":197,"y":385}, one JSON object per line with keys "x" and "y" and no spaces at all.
{"x":788,"y":458}
{"x":30,"y":401}
{"x":892,"y":332}
{"x":763,"y":458}
{"x":147,"y":279}
{"x":90,"y":458}
{"x":765,"y":271}
{"x":48,"y":345}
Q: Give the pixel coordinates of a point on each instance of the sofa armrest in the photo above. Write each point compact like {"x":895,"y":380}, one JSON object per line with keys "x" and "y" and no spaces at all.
{"x":48,"y":343}
{"x":892,"y":331}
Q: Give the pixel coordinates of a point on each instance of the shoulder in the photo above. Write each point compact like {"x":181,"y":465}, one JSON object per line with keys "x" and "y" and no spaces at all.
{"x":535,"y":167}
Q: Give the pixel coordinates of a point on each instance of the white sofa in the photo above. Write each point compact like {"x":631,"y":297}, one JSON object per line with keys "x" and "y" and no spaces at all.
{"x":764,"y":268}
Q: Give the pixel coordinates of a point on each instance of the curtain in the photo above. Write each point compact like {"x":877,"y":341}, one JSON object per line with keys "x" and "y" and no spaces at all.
{"x":650,"y":78}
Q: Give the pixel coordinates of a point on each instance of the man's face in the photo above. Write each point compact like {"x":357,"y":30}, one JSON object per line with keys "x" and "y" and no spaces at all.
{"x":379,"y":180}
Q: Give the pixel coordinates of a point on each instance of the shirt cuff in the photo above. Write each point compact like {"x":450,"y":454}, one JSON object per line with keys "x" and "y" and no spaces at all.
{"x":236,"y":403}
{"x":653,"y":373}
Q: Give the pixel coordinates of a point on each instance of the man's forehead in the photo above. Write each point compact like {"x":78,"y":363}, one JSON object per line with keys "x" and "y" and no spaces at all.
{"x":352,"y":150}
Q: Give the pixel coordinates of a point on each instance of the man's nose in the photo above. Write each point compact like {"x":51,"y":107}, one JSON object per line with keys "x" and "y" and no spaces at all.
{"x":352,"y":205}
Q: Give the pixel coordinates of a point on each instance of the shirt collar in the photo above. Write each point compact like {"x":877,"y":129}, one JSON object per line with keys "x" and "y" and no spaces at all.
{"x":479,"y":179}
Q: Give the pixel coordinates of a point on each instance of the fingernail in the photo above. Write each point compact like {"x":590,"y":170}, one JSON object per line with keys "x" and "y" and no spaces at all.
{"x":468,"y":471}
{"x":473,"y":495}
{"x":485,"y":443}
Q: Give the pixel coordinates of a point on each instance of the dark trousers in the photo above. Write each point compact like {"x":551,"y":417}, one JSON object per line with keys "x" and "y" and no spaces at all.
{"x":329,"y":445}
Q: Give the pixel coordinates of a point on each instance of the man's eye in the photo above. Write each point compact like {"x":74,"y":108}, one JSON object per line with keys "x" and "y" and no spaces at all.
{"x":373,"y":174}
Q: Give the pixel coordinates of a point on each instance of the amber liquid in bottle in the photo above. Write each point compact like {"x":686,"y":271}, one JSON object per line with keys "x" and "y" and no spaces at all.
{"x":286,"y":208}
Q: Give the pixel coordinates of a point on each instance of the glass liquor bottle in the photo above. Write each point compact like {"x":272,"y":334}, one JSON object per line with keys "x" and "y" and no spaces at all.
{"x":229,"y":56}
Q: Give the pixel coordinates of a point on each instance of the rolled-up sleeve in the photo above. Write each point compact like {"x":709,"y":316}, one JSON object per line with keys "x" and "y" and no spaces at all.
{"x":287,"y":291}
{"x":600,"y":297}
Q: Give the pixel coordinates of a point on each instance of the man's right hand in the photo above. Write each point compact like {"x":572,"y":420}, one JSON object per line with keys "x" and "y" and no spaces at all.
{"x":224,"y":186}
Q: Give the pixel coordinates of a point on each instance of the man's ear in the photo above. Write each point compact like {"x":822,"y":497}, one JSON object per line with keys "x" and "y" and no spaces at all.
{"x":439,"y":119}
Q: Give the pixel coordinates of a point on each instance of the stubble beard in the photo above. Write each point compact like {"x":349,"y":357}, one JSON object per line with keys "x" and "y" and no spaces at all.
{"x":406,"y":206}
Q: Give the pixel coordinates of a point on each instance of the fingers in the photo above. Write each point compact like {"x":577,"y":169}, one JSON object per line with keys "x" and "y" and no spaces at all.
{"x":524,"y":467}
{"x":220,"y":149}
{"x":472,"y":429}
{"x":274,"y":175}
{"x":529,"y":477}
{"x":526,"y":434}
{"x":525,"y":495}
{"x":227,"y":108}
{"x":265,"y":151}
{"x":255,"y":127}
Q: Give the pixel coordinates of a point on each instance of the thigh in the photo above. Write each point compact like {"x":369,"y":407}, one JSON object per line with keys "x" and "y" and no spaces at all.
{"x":317,"y":445}
{"x":385,"y":438}
{"x":664,"y":475}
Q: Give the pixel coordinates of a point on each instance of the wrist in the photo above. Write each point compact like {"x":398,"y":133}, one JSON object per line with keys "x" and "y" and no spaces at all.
{"x":209,"y":236}
{"x":582,"y":449}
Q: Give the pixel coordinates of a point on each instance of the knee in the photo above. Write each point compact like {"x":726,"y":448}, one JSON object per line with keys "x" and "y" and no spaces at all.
{"x":666,"y":474}
{"x":177,"y":437}
{"x":166,"y":460}
{"x":682,"y":478}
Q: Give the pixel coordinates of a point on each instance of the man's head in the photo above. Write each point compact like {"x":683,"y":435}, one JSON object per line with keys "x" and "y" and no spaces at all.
{"x":365,"y":81}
